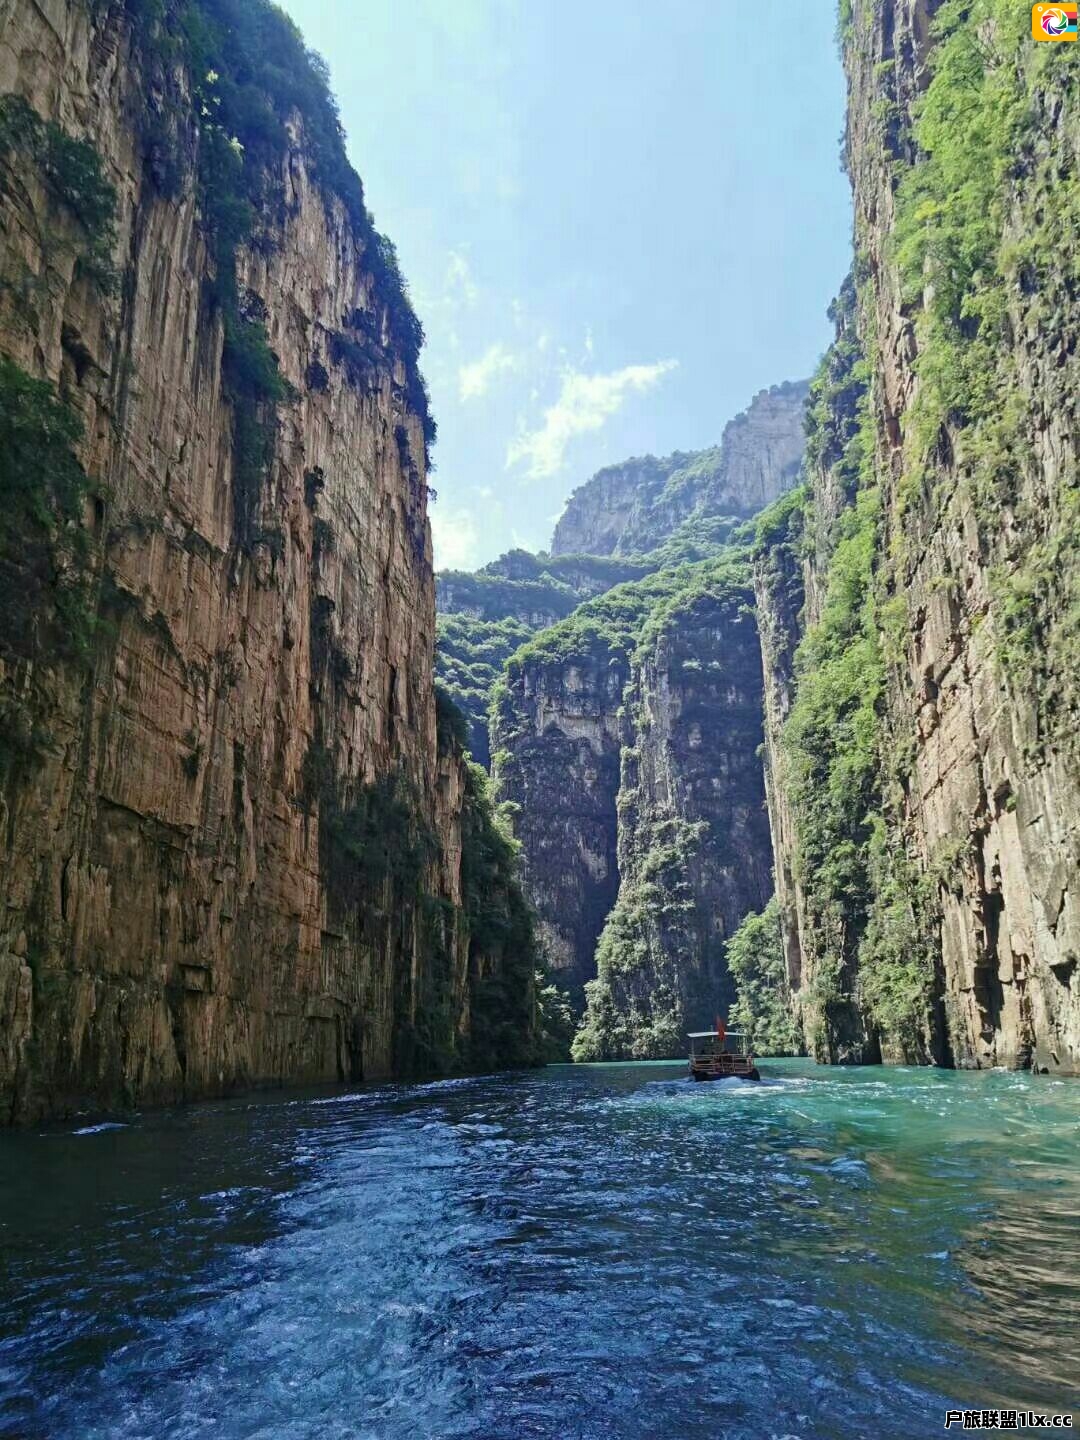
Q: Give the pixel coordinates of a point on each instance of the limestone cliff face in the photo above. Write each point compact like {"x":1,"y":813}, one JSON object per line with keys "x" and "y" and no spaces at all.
{"x":631,"y":508}
{"x":170,"y":922}
{"x":694,"y":850}
{"x":780,"y":607}
{"x":630,"y":749}
{"x":556,"y":742}
{"x":962,"y":940}
{"x":995,"y":761}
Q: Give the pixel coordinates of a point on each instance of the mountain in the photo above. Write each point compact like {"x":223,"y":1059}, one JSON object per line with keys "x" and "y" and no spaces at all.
{"x":632,"y":508}
{"x":625,"y":696}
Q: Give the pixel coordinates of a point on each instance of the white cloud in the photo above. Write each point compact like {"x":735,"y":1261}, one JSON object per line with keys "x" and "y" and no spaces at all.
{"x":454,"y":538}
{"x":475,"y":379}
{"x":585,"y":402}
{"x":460,"y":284}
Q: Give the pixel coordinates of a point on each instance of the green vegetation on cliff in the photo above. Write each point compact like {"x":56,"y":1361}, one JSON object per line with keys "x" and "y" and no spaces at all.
{"x":47,"y":612}
{"x":612,"y":623}
{"x":45,"y":607}
{"x":693,"y":849}
{"x":469,"y":660}
{"x":986,"y":225}
{"x":72,"y":171}
{"x":250,"y":74}
{"x":635,"y":1006}
{"x":985,"y":202}
{"x":755,"y":960}
{"x":379,"y":856}
{"x":487,"y":616}
{"x":858,"y":892}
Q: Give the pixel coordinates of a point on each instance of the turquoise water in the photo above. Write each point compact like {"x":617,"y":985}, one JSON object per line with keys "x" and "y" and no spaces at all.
{"x":600,"y":1251}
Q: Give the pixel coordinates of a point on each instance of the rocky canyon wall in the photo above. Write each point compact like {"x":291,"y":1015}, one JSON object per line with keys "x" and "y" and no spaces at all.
{"x":626,"y":737}
{"x":693,"y":843}
{"x":924,"y":772}
{"x":231,"y":843}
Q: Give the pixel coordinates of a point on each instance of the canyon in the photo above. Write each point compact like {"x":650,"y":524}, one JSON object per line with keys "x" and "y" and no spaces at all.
{"x":625,"y":732}
{"x":785,"y":727}
{"x":913,"y":594}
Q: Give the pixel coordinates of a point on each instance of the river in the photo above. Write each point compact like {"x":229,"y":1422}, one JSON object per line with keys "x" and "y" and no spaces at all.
{"x":582,"y":1252}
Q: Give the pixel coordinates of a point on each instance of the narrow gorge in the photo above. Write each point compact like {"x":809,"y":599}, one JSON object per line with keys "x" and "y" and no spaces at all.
{"x":896,"y":627}
{"x":818,"y":680}
{"x":626,"y":733}
{"x":382,"y":867}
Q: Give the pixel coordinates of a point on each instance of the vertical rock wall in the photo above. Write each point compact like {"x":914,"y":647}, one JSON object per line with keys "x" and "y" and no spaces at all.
{"x":168,"y":927}
{"x":556,"y":744}
{"x":694,"y":851}
{"x":964,"y":944}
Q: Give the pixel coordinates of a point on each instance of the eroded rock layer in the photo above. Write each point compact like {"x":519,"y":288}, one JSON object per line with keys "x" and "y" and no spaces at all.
{"x":230,"y":847}
{"x":937,"y":554}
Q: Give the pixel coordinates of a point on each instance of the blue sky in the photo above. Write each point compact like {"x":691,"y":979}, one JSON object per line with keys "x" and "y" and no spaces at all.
{"x":618,"y":221}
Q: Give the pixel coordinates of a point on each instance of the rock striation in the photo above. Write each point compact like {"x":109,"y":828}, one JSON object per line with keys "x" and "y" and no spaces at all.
{"x":694,"y":854}
{"x":233,"y":848}
{"x":931,"y":570}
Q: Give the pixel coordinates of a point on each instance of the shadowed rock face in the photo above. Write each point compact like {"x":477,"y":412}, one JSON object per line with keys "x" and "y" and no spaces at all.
{"x":169,"y":925}
{"x":586,"y":709}
{"x":559,"y":745}
{"x":693,"y":843}
{"x":630,"y":508}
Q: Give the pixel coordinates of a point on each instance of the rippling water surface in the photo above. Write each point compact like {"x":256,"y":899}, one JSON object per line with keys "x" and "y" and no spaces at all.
{"x":601,"y":1251}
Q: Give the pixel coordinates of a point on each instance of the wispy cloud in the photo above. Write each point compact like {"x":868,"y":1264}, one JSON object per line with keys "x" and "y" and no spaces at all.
{"x":459,"y":283}
{"x":454,"y":538}
{"x":475,"y":379}
{"x":585,"y":402}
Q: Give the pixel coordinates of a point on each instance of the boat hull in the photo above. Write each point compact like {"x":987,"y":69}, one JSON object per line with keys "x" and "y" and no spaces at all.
{"x":711,"y":1071}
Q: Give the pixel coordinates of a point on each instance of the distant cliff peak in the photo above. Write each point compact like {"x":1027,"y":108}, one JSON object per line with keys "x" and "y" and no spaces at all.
{"x":632,"y":507}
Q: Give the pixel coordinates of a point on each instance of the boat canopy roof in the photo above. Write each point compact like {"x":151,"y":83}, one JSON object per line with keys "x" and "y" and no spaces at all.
{"x":711,"y":1034}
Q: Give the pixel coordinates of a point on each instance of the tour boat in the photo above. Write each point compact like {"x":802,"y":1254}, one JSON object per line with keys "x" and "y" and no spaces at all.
{"x":721,"y":1054}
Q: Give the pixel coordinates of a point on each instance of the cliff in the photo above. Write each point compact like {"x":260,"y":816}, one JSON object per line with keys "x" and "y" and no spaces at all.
{"x":627,"y":522}
{"x":626,"y":743}
{"x":232,"y":846}
{"x":484,"y":616}
{"x":632,"y":508}
{"x":693,"y":845}
{"x":929,"y":903}
{"x":626,"y":751}
{"x":555,"y":740}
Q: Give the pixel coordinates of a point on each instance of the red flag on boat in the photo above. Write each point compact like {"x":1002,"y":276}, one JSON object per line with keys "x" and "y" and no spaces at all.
{"x":721,"y":1029}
